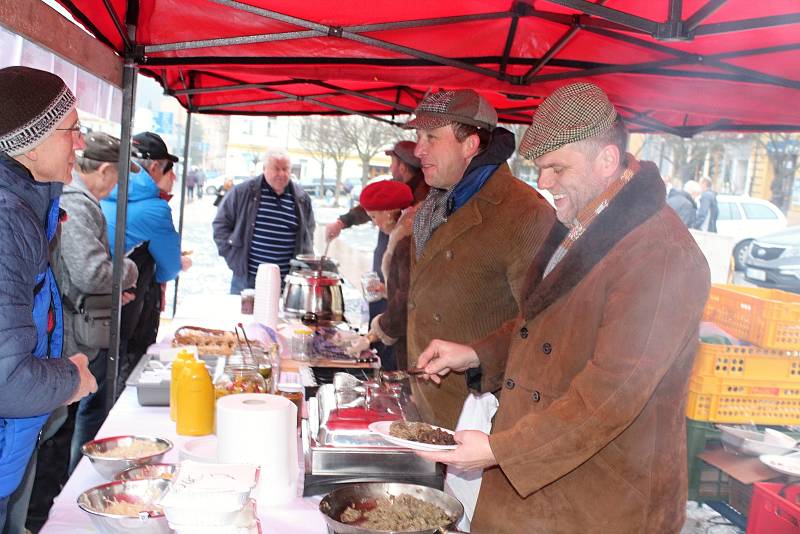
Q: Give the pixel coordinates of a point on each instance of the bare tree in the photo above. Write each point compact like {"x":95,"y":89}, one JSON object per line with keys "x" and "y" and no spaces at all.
{"x":782,"y":150}
{"x":322,"y":138}
{"x":367,"y":137}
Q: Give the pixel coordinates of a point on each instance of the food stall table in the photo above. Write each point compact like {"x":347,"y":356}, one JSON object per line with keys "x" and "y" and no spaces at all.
{"x":300,"y":516}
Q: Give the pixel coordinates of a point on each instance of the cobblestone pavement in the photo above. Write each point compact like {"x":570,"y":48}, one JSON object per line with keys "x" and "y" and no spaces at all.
{"x":209,"y":274}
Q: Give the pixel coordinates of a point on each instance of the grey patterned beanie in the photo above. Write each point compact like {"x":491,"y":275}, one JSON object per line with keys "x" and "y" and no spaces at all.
{"x":34,"y":103}
{"x":572,"y":113}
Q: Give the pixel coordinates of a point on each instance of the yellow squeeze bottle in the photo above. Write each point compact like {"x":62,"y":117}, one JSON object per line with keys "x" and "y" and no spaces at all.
{"x":177,"y":366}
{"x":195,"y":400}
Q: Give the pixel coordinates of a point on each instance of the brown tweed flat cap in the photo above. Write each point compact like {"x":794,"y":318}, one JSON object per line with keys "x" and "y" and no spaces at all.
{"x":571,"y":113}
{"x":446,"y":107}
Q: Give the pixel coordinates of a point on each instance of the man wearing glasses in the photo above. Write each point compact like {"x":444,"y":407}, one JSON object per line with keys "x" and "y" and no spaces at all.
{"x":39,"y":133}
{"x":150,"y":241}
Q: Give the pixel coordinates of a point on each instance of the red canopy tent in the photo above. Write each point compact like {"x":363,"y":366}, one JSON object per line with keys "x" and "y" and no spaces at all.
{"x":680,"y":66}
{"x":677,"y":66}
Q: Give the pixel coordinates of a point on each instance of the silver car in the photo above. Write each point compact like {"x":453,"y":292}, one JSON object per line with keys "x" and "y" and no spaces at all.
{"x":773,"y":260}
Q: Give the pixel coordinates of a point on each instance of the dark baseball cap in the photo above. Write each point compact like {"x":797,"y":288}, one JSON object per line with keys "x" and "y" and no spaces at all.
{"x":148,"y":145}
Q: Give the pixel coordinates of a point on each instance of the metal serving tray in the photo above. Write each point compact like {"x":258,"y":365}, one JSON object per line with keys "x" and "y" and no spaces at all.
{"x":152,"y":389}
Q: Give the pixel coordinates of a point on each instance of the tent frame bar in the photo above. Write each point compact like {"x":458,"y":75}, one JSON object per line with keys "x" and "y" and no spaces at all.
{"x":129,"y":73}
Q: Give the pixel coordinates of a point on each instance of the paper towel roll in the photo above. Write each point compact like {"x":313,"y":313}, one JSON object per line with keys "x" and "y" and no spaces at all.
{"x":261,"y":429}
{"x":268,"y":294}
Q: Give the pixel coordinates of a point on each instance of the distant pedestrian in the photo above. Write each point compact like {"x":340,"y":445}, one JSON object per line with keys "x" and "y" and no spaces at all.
{"x":707,"y":210}
{"x":682,"y":202}
{"x":191,"y":182}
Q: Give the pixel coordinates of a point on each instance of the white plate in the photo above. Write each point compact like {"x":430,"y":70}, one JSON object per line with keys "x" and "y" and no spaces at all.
{"x":788,"y":465}
{"x":200,"y":449}
{"x":382,"y":429}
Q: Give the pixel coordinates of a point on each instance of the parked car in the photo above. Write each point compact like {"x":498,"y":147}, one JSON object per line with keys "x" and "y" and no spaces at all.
{"x":313,"y":187}
{"x":355,"y":193}
{"x":212,"y":185}
{"x":745,"y":218}
{"x":773,"y":260}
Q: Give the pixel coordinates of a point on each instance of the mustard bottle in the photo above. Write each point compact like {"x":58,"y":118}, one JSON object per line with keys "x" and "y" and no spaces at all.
{"x":195,"y":400}
{"x":177,"y":366}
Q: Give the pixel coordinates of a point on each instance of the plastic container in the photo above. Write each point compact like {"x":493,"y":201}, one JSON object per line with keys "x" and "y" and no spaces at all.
{"x":774,"y":509}
{"x":182,"y":357}
{"x":195,"y":401}
{"x":769,"y":318}
{"x":248,"y":301}
{"x":301,"y":339}
{"x":739,"y":408}
{"x":296,"y":394}
{"x":752,"y":363}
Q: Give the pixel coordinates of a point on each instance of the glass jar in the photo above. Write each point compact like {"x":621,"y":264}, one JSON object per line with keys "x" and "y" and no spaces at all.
{"x":264,"y":366}
{"x":295,"y":393}
{"x":239,"y":377}
{"x":301,"y":343}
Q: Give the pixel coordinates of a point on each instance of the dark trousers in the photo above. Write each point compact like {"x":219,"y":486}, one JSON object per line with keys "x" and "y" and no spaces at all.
{"x":239,"y":283}
{"x":3,"y":508}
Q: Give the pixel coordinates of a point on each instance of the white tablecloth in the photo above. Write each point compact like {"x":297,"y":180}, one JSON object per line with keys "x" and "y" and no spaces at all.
{"x":300,"y":516}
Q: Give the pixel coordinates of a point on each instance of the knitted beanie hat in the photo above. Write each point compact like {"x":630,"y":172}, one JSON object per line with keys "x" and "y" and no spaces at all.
{"x":34,"y":104}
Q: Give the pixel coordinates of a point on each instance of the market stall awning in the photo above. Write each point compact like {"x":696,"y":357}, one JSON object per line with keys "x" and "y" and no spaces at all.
{"x":680,"y":66}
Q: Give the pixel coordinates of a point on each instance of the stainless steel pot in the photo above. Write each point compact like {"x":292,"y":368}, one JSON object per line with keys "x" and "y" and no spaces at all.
{"x":334,"y":503}
{"x":314,"y":292}
{"x":312,"y":263}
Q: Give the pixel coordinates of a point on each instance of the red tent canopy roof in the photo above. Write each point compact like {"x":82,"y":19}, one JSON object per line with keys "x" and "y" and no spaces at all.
{"x":669,"y":65}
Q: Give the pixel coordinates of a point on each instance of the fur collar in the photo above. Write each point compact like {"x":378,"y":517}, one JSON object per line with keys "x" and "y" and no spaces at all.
{"x":637,"y":202}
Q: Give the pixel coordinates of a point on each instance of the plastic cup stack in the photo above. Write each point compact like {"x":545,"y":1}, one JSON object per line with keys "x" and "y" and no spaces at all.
{"x":268,"y":295}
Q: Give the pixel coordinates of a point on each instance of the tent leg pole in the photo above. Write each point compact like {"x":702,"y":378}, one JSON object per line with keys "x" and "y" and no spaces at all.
{"x":187,"y":138}
{"x":128,"y":100}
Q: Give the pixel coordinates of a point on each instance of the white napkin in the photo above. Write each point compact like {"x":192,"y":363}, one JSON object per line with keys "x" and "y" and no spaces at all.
{"x":464,"y":485}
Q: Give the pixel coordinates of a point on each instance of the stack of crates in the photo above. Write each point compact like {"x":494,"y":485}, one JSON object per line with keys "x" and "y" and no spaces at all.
{"x":758,"y":384}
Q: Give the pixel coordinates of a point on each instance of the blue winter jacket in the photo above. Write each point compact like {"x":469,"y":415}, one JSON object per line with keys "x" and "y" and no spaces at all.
{"x":149,"y":219}
{"x":34,"y":379}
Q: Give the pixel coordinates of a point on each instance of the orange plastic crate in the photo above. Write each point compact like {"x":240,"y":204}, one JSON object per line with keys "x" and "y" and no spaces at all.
{"x":734,"y":408}
{"x":769,"y":318}
{"x":735,"y":361}
{"x":716,"y":385}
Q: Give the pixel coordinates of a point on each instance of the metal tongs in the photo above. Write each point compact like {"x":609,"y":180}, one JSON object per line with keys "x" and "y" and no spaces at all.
{"x":247,"y":341}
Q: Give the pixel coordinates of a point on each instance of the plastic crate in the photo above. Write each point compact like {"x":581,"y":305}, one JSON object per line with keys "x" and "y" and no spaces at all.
{"x":772,"y":513}
{"x":769,"y":318}
{"x":716,"y":385}
{"x":706,"y":482}
{"x":733,"y":408}
{"x":741,"y":495}
{"x":754,"y":363}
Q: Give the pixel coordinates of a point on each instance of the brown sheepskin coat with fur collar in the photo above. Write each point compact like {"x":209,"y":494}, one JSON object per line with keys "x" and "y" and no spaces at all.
{"x":590,"y":434}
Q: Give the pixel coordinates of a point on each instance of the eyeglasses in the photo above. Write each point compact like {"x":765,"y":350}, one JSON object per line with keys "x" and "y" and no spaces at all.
{"x":78,"y":128}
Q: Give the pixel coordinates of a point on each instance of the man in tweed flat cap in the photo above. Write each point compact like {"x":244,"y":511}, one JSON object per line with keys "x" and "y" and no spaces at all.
{"x":593,"y":374}
{"x":474,"y":236}
{"x":39,"y":132}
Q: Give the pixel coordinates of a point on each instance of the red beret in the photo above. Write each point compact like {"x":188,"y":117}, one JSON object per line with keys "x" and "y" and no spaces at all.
{"x":386,"y":195}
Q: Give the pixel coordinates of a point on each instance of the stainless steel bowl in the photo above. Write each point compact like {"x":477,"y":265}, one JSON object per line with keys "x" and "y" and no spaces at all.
{"x":334,"y":503}
{"x":93,"y":501}
{"x":141,"y":472}
{"x":108,"y":467}
{"x":314,"y":292}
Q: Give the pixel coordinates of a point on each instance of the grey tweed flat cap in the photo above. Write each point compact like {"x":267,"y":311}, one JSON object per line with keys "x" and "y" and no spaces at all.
{"x":571,"y":113}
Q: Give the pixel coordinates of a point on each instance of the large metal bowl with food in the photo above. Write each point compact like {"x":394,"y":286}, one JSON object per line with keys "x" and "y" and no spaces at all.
{"x":142,"y":472}
{"x":112,"y":455}
{"x":349,"y":509}
{"x":126,"y":506}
